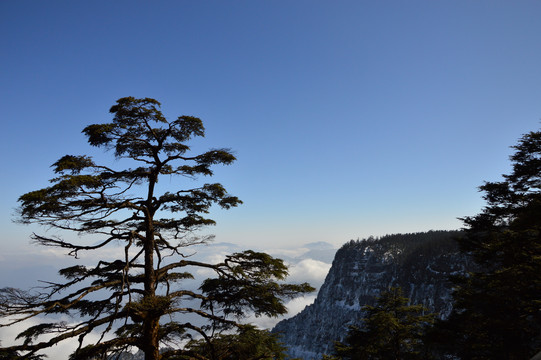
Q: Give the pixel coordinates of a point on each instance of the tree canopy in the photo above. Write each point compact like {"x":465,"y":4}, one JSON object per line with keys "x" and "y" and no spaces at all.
{"x":137,"y":300}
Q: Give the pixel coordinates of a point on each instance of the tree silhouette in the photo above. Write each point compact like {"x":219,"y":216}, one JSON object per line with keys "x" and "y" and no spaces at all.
{"x":138,"y":300}
{"x":497,"y":310}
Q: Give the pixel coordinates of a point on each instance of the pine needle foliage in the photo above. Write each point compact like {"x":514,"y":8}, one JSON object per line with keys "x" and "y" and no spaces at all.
{"x":392,"y":329}
{"x":248,"y":344}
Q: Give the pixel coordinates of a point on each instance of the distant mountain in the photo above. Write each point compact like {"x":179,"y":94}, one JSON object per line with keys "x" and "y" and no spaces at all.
{"x":319,"y":245}
{"x":320,"y":251}
{"x":419,"y":263}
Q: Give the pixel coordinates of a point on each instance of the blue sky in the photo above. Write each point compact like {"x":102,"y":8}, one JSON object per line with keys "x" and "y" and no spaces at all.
{"x":348,"y":118}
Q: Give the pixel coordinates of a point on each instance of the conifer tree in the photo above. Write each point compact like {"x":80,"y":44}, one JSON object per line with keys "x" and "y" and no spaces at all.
{"x":138,"y":301}
{"x":392,"y":329}
{"x":497,"y":310}
{"x":249,"y":343}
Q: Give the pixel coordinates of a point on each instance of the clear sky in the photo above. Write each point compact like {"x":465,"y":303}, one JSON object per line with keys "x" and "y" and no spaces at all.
{"x":348,"y":118}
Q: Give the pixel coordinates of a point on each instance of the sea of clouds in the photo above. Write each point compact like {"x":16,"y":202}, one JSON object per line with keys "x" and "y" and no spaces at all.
{"x":32,"y":266}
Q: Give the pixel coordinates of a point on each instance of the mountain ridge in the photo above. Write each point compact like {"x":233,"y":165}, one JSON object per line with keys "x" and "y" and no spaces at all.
{"x":420,"y":263}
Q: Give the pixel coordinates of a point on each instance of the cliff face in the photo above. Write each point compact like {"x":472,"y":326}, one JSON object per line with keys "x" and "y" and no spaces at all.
{"x":419,"y":263}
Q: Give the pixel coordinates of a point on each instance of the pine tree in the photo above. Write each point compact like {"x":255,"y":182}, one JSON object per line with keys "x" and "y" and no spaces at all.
{"x":392,"y":329}
{"x":497,"y":310}
{"x":138,"y":300}
{"x":249,"y":343}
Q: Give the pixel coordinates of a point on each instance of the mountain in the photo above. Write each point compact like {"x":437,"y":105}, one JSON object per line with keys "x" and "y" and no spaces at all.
{"x":319,"y":245}
{"x":419,"y":263}
{"x":324,"y":253}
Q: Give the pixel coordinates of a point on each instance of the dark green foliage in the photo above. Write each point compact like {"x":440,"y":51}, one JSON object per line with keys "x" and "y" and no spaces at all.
{"x":497,"y":313}
{"x":248,"y":343}
{"x":392,"y":329}
{"x":249,"y":283}
{"x":14,"y":355}
{"x":137,"y":300}
{"x":407,"y":247}
{"x":9,"y":354}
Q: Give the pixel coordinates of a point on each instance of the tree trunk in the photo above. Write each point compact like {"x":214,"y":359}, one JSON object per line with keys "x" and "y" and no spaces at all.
{"x":150,"y":338}
{"x":151,"y":322}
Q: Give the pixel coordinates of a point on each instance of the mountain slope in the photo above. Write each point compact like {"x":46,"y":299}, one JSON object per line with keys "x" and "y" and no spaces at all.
{"x":419,"y":263}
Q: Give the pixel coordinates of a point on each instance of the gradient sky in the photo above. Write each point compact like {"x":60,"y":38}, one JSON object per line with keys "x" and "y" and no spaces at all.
{"x":348,"y":118}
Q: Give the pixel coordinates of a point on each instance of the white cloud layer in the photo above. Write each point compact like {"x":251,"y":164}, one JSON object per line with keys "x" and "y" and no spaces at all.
{"x":309,"y":270}
{"x":43,"y":264}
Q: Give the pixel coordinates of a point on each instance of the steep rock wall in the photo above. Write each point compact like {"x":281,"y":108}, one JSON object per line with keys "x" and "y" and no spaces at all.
{"x":419,"y":263}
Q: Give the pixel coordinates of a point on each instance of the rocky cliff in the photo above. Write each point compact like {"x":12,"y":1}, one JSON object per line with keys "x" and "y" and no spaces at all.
{"x":419,"y":263}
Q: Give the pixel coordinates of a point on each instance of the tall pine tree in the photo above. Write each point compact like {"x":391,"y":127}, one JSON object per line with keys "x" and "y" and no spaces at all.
{"x":138,"y":301}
